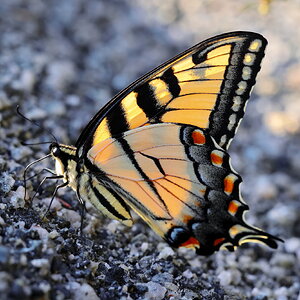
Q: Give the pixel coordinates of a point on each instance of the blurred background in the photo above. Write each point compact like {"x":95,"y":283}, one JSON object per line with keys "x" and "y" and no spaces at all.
{"x":61,"y":60}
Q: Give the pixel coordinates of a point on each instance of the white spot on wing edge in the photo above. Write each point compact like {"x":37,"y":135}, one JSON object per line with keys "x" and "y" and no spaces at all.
{"x":255,"y":45}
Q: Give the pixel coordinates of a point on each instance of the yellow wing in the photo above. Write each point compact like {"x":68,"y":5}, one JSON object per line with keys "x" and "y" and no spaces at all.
{"x":180,"y":182}
{"x":206,"y":86}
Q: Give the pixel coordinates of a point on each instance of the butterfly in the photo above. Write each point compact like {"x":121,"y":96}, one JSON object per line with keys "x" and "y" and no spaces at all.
{"x":159,"y":148}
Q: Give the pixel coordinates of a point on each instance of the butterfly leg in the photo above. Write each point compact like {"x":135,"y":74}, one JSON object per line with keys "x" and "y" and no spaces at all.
{"x":82,"y":211}
{"x":42,"y":182}
{"x":55,"y":192}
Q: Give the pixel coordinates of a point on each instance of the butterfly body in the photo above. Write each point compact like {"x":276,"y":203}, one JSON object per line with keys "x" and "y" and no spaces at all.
{"x":160,"y":147}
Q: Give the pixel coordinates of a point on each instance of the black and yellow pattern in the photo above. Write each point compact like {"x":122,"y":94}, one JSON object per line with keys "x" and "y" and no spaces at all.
{"x":159,"y":147}
{"x":206,"y":86}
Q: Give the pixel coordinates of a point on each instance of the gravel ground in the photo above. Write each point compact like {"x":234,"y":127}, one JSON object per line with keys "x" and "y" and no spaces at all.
{"x":61,"y":60}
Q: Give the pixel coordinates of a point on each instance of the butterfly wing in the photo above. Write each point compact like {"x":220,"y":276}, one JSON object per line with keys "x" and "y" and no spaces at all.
{"x":179,"y":180}
{"x":206,"y":86}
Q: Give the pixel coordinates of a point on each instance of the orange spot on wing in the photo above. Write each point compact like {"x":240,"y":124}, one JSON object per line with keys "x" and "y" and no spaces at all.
{"x":233,"y":207}
{"x":218,"y":241}
{"x":187,"y":218}
{"x":229,"y":184}
{"x":191,"y":243}
{"x":202,"y":191}
{"x":198,"y":137}
{"x":216,"y":159}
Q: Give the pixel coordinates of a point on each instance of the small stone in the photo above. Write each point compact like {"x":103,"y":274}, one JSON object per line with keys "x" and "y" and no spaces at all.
{"x":42,"y":264}
{"x":144,"y":246}
{"x":23,"y":260}
{"x":73,"y":100}
{"x":17,"y":198}
{"x":72,"y":216}
{"x":171,"y":287}
{"x":188,"y":274}
{"x":261,"y":293}
{"x":155,"y":291}
{"x":5,"y":281}
{"x":283,"y":214}
{"x":55,"y":205}
{"x":225,"y":277}
{"x":57,"y":277}
{"x":42,"y":232}
{"x":20,"y":152}
{"x":112,"y":226}
{"x":36,"y":114}
{"x":166,"y":252}
{"x":4,"y":101}
{"x":44,"y":287}
{"x":53,"y":234}
{"x":2,"y":222}
{"x":162,"y":278}
{"x":265,"y":187}
{"x":61,"y":74}
{"x":4,"y":254}
{"x":281,"y":293}
{"x":27,"y":80}
{"x":82,"y":291}
{"x":6,"y":182}
{"x":292,"y":245}
{"x":284,"y":260}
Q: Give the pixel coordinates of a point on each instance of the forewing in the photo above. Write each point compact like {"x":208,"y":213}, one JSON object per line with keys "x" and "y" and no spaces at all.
{"x":206,"y":86}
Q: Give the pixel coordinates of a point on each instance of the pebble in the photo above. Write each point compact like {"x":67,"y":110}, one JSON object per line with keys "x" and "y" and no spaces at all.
{"x":261,"y":293}
{"x":60,"y":74}
{"x":55,"y":70}
{"x":281,"y":293}
{"x":4,"y":254}
{"x":144,"y":247}
{"x":71,"y":215}
{"x":20,"y":152}
{"x":188,"y":274}
{"x":27,"y":80}
{"x":283,"y":215}
{"x":17,"y":198}
{"x":4,"y":101}
{"x":56,"y":108}
{"x":225,"y":278}
{"x":53,"y":234}
{"x":113,"y":226}
{"x":155,"y":291}
{"x":292,"y":245}
{"x":73,"y":100}
{"x":284,"y":260}
{"x":82,"y":291}
{"x":6,"y":182}
{"x":42,"y":232}
{"x":55,"y":205}
{"x":43,"y":264}
{"x":166,"y":252}
{"x":162,"y":278}
{"x":265,"y":187}
{"x":36,"y":113}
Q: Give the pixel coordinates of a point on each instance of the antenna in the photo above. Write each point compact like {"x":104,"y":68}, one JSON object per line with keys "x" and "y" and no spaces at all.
{"x":36,"y":124}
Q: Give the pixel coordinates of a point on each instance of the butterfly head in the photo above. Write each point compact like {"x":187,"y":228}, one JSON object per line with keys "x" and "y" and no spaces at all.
{"x":65,"y":159}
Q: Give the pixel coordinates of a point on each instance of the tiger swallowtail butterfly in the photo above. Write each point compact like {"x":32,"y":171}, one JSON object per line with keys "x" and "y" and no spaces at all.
{"x":159,"y":147}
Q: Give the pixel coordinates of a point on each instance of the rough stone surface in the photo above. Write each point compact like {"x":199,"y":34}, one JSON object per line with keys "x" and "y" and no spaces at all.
{"x":61,"y":61}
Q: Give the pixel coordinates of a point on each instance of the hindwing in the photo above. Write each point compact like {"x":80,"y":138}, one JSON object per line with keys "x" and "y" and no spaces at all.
{"x":179,"y":180}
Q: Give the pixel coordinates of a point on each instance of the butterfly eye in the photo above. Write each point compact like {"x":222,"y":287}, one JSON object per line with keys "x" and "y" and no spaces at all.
{"x":55,"y":149}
